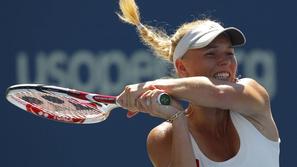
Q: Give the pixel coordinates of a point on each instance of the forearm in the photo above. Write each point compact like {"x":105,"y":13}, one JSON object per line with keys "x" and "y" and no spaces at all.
{"x":182,"y":154}
{"x":199,"y":90}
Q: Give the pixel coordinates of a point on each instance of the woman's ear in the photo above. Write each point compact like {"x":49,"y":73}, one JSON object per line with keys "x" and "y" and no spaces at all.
{"x":180,"y":68}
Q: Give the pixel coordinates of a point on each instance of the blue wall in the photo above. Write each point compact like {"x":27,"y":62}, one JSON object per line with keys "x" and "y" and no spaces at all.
{"x":83,"y":45}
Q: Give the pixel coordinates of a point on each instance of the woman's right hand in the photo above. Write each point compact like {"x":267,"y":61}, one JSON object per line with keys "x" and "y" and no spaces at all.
{"x":143,"y":97}
{"x":128,"y":97}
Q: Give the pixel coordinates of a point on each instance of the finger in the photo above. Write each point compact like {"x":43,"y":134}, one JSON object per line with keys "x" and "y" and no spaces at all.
{"x":174,"y":102}
{"x":119,"y":100}
{"x":140,"y":106}
{"x":144,"y":101}
{"x":125,"y":97}
{"x":164,"y":111}
{"x":151,"y":87}
{"x":154,"y":101}
{"x":147,"y":101}
{"x":153,"y":105}
{"x":130,"y":100}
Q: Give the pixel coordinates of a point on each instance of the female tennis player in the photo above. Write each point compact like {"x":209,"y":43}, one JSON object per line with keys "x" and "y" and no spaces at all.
{"x":228,"y":122}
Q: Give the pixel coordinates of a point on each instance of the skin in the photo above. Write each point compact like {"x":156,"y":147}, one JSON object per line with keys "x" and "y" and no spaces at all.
{"x":208,"y":115}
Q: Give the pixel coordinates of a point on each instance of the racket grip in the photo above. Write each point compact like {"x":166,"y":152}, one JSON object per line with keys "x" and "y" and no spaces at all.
{"x":164,"y":99}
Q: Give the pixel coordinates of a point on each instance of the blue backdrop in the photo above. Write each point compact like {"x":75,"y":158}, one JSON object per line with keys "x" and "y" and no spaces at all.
{"x":83,"y":45}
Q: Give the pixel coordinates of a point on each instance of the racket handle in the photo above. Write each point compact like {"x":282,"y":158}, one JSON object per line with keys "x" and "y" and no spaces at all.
{"x":164,"y":99}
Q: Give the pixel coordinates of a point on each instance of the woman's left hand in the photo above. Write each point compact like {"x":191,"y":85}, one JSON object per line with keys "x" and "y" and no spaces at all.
{"x":148,"y":103}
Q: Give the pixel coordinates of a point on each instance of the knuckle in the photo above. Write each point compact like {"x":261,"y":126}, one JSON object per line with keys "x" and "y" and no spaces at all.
{"x":128,"y":88}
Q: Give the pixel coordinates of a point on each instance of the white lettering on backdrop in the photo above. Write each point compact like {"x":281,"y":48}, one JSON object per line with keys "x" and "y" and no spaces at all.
{"x":108,"y":72}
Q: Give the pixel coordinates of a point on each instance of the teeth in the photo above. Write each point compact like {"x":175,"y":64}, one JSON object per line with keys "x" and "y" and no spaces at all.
{"x":222,"y":75}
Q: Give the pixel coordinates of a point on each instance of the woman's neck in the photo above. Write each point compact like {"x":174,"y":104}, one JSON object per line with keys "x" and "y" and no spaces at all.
{"x":209,"y":120}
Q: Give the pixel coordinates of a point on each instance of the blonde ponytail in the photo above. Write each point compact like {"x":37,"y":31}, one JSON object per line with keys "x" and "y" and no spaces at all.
{"x":162,"y":44}
{"x":156,"y":39}
{"x":130,"y":12}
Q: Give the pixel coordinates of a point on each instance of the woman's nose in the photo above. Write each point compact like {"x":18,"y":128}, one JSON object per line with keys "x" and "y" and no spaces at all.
{"x":224,"y":60}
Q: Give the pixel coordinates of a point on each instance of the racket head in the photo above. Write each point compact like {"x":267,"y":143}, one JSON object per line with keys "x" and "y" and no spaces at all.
{"x":58,"y":103}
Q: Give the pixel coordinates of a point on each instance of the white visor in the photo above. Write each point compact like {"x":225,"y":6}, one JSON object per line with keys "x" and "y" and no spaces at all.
{"x":203,"y":35}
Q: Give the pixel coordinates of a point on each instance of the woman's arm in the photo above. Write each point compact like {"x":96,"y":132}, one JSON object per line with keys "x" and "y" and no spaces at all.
{"x":169,"y":145}
{"x":246,"y":96}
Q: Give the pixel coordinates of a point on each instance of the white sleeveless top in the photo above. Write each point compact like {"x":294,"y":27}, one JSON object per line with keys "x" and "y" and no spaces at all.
{"x":255,"y":149}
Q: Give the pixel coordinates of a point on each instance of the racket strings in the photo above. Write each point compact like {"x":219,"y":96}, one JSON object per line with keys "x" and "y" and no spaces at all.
{"x":61,"y":105}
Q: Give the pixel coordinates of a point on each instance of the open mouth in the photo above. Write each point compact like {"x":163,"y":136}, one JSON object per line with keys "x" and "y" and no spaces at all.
{"x":224,"y":76}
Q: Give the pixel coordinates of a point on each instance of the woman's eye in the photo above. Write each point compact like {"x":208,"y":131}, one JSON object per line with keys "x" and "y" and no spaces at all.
{"x":231,"y":54}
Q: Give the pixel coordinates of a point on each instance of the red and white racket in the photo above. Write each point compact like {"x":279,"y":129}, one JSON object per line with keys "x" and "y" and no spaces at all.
{"x":64,"y":104}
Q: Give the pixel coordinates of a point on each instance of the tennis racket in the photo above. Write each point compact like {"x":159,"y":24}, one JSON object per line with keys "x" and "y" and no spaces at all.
{"x":64,"y":104}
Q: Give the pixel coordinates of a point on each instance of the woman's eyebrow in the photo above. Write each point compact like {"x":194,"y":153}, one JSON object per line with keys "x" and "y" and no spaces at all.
{"x":214,"y":46}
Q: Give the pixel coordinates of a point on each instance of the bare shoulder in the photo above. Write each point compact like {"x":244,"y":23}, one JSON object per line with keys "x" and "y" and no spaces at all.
{"x":257,"y":96}
{"x":159,"y":144}
{"x":249,"y":82}
{"x":262,"y":118}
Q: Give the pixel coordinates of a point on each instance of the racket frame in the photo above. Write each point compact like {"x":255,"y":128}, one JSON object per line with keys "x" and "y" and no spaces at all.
{"x":106,"y":102}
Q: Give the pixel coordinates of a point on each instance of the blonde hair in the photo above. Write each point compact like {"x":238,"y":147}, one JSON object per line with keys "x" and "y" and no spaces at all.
{"x":162,"y":44}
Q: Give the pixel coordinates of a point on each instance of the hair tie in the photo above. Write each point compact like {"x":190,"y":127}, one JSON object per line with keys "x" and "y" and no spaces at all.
{"x":140,"y":26}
